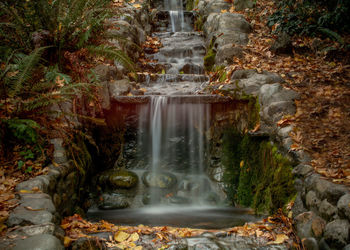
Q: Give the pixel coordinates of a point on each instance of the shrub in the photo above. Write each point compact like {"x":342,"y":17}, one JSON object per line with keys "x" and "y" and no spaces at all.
{"x":312,"y":17}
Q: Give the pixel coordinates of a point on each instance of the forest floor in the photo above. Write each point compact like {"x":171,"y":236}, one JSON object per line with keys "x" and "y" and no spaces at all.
{"x":322,"y":121}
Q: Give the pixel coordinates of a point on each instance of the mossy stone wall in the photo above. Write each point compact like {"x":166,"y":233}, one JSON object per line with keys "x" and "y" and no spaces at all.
{"x":256,"y":174}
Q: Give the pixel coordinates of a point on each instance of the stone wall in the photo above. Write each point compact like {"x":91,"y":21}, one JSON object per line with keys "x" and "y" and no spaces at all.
{"x":321,"y":210}
{"x":46,"y":199}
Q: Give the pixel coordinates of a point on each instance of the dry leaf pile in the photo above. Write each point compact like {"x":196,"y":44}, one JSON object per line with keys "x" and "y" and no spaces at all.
{"x":275,"y":229}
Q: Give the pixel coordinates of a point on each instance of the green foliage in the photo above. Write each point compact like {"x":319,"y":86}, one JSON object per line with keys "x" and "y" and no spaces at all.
{"x":23,"y":129}
{"x":114,"y":54}
{"x":67,"y":23}
{"x":312,"y":17}
{"x":256,"y":175}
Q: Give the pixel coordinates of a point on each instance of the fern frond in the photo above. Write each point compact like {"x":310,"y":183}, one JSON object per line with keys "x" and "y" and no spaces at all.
{"x":113,"y":54}
{"x":26,"y":66}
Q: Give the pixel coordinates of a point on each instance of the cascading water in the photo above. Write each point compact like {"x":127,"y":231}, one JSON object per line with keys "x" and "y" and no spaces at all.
{"x":176,"y":133}
{"x":175,"y":8}
{"x":171,"y":155}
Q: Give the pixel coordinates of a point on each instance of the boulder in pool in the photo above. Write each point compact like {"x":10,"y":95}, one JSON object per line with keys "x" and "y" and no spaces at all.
{"x":119,"y":179}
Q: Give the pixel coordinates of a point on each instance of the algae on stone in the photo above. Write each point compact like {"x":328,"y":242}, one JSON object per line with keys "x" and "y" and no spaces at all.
{"x":256,"y":174}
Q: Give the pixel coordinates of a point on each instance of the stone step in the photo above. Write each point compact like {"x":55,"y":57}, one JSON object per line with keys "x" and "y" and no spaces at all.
{"x":157,"y":78}
{"x":180,"y":99}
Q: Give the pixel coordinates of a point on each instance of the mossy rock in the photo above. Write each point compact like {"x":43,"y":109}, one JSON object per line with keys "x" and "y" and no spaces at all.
{"x":118,"y":179}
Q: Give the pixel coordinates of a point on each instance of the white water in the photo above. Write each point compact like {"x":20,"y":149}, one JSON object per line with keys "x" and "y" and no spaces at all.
{"x":173,"y":134}
{"x":176,"y":13}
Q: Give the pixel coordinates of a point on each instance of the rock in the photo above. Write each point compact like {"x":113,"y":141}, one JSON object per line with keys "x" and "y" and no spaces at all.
{"x":192,"y":69}
{"x":310,"y":244}
{"x":323,"y":245}
{"x":328,"y":211}
{"x":225,"y":54}
{"x":312,"y":201}
{"x":243,"y":74}
{"x":23,"y":216}
{"x":113,"y":201}
{"x":267,"y":91}
{"x":216,"y":7}
{"x":104,"y":94}
{"x":330,"y":191}
{"x":231,"y":37}
{"x":276,"y":110}
{"x":107,"y":73}
{"x":163,"y":180}
{"x":302,"y":170}
{"x":118,"y":88}
{"x":337,"y":233}
{"x":179,"y":200}
{"x":88,"y":244}
{"x":38,"y":204}
{"x":308,"y":225}
{"x":48,"y":228}
{"x":284,"y":132}
{"x":344,"y":206}
{"x":32,"y":184}
{"x":39,"y":242}
{"x":298,"y":206}
{"x":120,"y":178}
{"x":347,"y":247}
{"x":283,"y":44}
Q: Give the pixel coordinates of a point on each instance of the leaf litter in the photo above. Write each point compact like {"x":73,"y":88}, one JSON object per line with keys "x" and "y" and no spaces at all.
{"x":322,"y":121}
{"x":276,"y":229}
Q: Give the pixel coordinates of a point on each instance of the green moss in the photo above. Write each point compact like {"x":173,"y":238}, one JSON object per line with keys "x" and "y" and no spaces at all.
{"x":189,"y":5}
{"x":254,"y":110}
{"x":198,"y":24}
{"x":209,"y":60}
{"x":256,"y":174}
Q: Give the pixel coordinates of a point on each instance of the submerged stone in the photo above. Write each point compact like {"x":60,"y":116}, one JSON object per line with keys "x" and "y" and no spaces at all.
{"x":164,"y":180}
{"x":113,"y":201}
{"x":123,"y":179}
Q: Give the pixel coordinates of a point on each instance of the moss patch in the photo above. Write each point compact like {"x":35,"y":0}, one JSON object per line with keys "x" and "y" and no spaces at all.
{"x":209,"y":60}
{"x":256,"y":174}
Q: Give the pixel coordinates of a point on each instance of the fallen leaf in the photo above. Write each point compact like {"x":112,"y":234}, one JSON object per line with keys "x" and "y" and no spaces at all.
{"x":280,"y":238}
{"x":121,"y":236}
{"x":137,"y":5}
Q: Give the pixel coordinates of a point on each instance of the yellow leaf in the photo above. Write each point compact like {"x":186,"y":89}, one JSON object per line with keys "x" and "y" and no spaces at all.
{"x":223,"y":11}
{"x":220,"y":87}
{"x":121,"y":236}
{"x":137,"y":6}
{"x":67,"y":241}
{"x":26,"y":191}
{"x":241,"y":164}
{"x":137,"y":248}
{"x":134,"y":237}
{"x":280,"y":238}
{"x":55,"y":164}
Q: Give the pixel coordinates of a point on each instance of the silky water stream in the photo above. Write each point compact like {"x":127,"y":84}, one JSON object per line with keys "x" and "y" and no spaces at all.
{"x":169,"y":149}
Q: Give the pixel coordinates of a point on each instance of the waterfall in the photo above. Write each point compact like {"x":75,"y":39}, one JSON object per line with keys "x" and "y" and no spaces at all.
{"x":177,"y":20}
{"x":172,"y":134}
